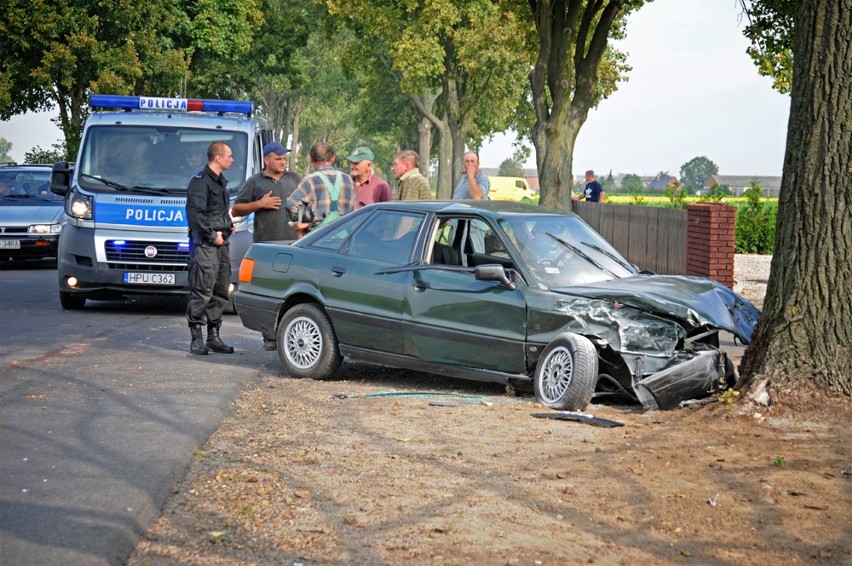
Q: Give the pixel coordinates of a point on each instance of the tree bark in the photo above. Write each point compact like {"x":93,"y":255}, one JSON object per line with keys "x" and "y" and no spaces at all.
{"x":424,"y":131}
{"x":804,"y":337}
{"x":424,"y":104}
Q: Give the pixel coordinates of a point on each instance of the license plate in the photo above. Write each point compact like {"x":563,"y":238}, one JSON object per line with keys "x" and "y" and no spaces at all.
{"x":10,"y":244}
{"x":149,"y":278}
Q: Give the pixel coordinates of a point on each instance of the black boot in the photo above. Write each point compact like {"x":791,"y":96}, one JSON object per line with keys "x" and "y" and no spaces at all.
{"x":214,"y":344}
{"x":197,"y":346}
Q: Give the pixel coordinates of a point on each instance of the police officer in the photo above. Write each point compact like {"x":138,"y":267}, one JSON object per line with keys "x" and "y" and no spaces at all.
{"x":210,"y":226}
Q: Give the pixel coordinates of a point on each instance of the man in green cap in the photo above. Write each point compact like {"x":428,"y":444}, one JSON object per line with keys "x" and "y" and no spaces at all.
{"x":370,"y":188}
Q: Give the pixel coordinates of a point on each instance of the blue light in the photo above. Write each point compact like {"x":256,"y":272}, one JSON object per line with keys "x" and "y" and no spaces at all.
{"x":171,"y":104}
{"x":118,"y":242}
{"x":183,"y":245}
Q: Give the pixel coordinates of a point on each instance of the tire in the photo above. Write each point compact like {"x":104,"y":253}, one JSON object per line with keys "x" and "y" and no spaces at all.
{"x":567,"y":373}
{"x":307,"y":344}
{"x":71,"y":302}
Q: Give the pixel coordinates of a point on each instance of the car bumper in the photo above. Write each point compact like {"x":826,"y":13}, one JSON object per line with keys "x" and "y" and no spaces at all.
{"x":692,"y":379}
{"x":257,"y":312}
{"x":29,"y":247}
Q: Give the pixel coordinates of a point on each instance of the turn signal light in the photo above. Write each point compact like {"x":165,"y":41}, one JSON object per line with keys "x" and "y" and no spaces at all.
{"x":246,"y":270}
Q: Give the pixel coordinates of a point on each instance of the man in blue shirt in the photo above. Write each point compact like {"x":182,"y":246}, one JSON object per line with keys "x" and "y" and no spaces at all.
{"x":474,"y":184}
{"x":594,"y":191}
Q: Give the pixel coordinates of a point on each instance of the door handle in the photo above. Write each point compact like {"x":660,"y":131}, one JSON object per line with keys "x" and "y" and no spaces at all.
{"x":421,"y":285}
{"x":337,"y":270}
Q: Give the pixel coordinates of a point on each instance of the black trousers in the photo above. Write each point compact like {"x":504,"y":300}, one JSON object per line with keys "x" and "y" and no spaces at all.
{"x":209,"y":279}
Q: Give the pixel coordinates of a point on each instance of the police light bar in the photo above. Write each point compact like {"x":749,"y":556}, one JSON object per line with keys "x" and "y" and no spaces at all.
{"x":173,"y":104}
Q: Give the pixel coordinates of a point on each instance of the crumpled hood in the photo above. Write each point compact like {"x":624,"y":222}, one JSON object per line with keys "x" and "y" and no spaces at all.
{"x":694,"y":301}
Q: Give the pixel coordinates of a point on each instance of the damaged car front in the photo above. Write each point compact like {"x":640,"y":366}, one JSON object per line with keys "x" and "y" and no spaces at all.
{"x":656,"y":336}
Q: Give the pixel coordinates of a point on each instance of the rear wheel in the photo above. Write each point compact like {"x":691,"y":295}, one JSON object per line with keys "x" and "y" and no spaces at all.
{"x":70,"y":301}
{"x":307,"y":344}
{"x":567,"y":373}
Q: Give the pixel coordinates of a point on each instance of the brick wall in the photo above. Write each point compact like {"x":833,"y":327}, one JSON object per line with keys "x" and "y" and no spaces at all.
{"x":710,"y":240}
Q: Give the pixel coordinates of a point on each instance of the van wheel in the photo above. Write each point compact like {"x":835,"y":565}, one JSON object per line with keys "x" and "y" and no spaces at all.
{"x":71,"y":302}
{"x":567,"y":373}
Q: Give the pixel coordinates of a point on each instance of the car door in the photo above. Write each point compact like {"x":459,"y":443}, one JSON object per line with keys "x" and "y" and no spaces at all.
{"x":366,"y":308}
{"x":453,"y":318}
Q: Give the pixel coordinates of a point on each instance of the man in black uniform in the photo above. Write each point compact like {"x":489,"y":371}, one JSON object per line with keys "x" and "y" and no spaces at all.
{"x":210,"y":226}
{"x":263,"y":194}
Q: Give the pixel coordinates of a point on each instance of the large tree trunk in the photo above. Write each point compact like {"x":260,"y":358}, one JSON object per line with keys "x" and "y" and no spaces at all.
{"x":424,"y":104}
{"x":804,"y":336}
{"x":572,"y":40}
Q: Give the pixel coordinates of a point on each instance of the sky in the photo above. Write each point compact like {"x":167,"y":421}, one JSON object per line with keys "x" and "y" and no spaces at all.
{"x":692,"y":92}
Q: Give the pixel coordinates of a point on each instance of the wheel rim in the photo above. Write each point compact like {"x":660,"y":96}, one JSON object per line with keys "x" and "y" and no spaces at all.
{"x":303,"y":342}
{"x":556,"y":374}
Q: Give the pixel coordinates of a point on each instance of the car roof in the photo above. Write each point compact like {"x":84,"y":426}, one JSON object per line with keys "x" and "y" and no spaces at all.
{"x":13,"y":165}
{"x":491,"y":208}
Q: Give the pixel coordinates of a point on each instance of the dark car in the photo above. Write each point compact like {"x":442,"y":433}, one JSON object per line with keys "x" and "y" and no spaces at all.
{"x":493,"y":291}
{"x":31,"y":216}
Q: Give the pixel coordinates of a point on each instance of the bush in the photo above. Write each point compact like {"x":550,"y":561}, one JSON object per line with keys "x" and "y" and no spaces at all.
{"x":755,"y":223}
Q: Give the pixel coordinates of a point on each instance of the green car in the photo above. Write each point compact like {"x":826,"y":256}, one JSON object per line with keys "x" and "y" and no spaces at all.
{"x":494,"y":291}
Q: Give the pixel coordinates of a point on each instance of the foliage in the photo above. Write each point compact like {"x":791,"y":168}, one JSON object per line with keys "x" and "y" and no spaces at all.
{"x":54,"y":54}
{"x":676,"y":194}
{"x":755,"y":223}
{"x":695,"y":172}
{"x":636,"y":199}
{"x":716,"y":193}
{"x":779,"y":462}
{"x":5,"y":148}
{"x":632,"y":183}
{"x":510,"y":168}
{"x":38,"y":155}
{"x":608,"y":183}
{"x":770,"y":31}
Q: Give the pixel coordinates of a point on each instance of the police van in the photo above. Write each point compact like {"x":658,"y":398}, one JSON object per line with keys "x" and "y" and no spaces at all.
{"x":125,"y":196}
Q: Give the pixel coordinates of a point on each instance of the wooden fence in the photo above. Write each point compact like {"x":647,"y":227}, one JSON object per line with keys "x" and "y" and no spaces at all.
{"x":652,"y":238}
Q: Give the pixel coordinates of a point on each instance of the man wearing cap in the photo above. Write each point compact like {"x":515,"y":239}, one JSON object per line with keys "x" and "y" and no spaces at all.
{"x":369,"y":188}
{"x":264,"y":194}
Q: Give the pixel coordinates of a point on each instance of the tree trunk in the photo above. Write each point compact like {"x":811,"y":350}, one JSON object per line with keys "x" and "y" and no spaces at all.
{"x":804,"y":337}
{"x":555,"y":157}
{"x":445,"y":163}
{"x":424,"y":130}
{"x":295,"y":110}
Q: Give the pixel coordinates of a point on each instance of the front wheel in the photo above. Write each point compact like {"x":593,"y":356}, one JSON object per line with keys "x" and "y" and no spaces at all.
{"x":307,"y":344}
{"x":567,"y":373}
{"x":72,"y":302}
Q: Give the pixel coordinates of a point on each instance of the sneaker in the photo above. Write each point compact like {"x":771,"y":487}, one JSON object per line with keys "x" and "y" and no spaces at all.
{"x":269,"y":345}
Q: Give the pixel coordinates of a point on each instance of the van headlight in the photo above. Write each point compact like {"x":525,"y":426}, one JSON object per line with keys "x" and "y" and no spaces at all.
{"x":78,"y":206}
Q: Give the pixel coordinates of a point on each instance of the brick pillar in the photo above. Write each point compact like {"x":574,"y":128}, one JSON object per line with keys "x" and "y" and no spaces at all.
{"x":710,"y":240}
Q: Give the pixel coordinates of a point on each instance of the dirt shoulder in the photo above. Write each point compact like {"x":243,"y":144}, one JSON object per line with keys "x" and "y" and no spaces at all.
{"x":380,"y":466}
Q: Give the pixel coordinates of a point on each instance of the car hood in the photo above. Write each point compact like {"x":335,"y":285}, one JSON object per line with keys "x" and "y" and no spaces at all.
{"x":696,"y":302}
{"x":26,"y":214}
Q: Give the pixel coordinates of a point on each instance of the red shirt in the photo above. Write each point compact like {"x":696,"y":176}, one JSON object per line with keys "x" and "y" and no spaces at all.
{"x":374,"y":189}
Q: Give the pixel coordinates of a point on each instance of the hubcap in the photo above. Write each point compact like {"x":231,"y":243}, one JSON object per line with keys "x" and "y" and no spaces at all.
{"x":557,"y":373}
{"x":303,"y":342}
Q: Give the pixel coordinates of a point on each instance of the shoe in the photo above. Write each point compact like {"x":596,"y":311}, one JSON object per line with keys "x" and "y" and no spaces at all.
{"x":214,"y":343}
{"x":269,"y":345}
{"x":197,"y":346}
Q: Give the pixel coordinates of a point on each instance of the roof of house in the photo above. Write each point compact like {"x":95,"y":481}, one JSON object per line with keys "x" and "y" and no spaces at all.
{"x":744,"y":181}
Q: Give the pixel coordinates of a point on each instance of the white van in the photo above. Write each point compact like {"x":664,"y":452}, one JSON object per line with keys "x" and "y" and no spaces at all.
{"x":125,"y":197}
{"x":510,"y":188}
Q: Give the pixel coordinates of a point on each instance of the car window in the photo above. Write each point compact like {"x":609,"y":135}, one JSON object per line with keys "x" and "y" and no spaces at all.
{"x":468,"y":242}
{"x":387,"y":236}
{"x":337,"y":234}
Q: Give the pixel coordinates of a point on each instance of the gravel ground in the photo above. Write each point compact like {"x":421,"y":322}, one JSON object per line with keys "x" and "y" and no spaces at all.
{"x":751,"y":273}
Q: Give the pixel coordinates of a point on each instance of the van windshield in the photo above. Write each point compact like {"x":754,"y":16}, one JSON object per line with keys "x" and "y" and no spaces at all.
{"x":154,"y":158}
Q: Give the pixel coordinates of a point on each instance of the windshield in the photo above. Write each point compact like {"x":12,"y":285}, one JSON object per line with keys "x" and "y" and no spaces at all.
{"x":26,"y":184}
{"x":160,"y":159}
{"x":563,"y":250}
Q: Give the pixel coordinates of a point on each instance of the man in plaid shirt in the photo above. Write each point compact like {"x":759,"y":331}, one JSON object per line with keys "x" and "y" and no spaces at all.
{"x":323,"y":195}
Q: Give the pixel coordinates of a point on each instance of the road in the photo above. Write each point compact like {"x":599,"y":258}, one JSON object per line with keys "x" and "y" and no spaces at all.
{"x":100,"y":413}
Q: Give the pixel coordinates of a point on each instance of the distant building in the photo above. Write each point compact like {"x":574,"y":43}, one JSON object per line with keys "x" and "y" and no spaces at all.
{"x":771,"y":185}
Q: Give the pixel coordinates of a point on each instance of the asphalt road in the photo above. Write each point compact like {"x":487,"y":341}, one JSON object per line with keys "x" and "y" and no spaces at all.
{"x":100,"y":413}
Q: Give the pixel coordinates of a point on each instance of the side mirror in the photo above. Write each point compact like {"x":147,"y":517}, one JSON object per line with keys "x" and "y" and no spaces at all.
{"x":60,"y":177}
{"x":493,"y":272}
